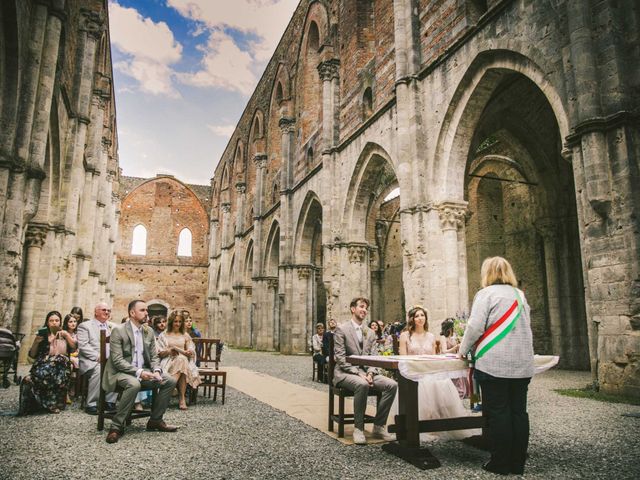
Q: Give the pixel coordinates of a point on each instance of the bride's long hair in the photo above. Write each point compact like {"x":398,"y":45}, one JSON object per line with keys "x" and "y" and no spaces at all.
{"x":411,"y":321}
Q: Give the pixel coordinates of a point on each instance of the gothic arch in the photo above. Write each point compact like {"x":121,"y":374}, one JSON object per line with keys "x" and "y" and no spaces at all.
{"x":306,"y":229}
{"x":272,"y":251}
{"x":247,"y":271}
{"x":239,"y":160}
{"x":472,"y":94}
{"x":373,"y":175}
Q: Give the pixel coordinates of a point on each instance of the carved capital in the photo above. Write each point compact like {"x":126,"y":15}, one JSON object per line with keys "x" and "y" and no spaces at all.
{"x":547,"y":228}
{"x":272,"y":283}
{"x":225,"y":207}
{"x":260,"y":160}
{"x":36,"y":235}
{"x":357,"y":253}
{"x":452,"y":215}
{"x":92,"y":23}
{"x":287,"y":125}
{"x":241,"y":188}
{"x":329,"y":70}
{"x":304,"y":273}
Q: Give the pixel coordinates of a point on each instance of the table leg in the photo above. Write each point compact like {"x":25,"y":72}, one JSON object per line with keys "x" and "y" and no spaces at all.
{"x":408,"y":445}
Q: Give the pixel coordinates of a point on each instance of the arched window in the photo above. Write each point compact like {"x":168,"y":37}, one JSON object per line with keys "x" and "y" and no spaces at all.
{"x":184,"y":243}
{"x":310,"y":156}
{"x":314,"y":37}
{"x":279,"y":93}
{"x":139,"y":241}
{"x":367,"y":103}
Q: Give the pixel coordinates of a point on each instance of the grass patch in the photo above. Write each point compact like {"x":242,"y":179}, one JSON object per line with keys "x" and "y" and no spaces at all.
{"x":591,"y":393}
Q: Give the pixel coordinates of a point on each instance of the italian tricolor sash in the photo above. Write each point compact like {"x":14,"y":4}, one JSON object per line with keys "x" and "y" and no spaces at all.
{"x":500,"y":329}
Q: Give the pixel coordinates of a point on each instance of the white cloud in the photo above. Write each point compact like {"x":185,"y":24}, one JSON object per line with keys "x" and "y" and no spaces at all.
{"x":150,"y":49}
{"x":224,"y":65}
{"x":222,"y":130}
{"x":266,"y":19}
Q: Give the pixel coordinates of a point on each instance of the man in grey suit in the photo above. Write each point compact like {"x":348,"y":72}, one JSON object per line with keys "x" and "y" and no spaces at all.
{"x":353,"y":337}
{"x":134,"y":364}
{"x":89,"y":353}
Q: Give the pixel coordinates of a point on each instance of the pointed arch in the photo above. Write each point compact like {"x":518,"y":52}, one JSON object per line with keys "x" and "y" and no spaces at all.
{"x":474,"y":92}
{"x":272,"y":257}
{"x":309,"y":225}
{"x":248,"y":264}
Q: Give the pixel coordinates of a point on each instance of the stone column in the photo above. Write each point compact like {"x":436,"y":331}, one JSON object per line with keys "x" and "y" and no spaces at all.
{"x":261,"y":164}
{"x":329,"y":74}
{"x":34,"y":240}
{"x":463,"y":274}
{"x":547,"y":227}
{"x":225,"y":208}
{"x":241,"y":189}
{"x":451,"y":219}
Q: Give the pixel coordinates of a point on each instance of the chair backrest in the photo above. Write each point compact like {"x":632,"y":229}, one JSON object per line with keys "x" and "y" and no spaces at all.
{"x":332,"y":362}
{"x":208,"y":351}
{"x":104,"y":339}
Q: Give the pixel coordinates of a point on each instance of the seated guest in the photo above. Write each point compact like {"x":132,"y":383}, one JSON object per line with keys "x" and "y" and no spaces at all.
{"x":177,"y":351}
{"x":70,"y":325}
{"x":49,"y":376}
{"x":353,"y":337}
{"x":77,"y":312}
{"x":133,"y":364}
{"x":89,"y":355}
{"x":316,"y":346}
{"x":189,"y":326}
{"x":379,"y":345}
{"x":159,"y":324}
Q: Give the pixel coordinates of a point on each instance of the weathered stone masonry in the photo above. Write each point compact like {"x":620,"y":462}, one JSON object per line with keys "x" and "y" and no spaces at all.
{"x":58,"y":160}
{"x":510,"y":127}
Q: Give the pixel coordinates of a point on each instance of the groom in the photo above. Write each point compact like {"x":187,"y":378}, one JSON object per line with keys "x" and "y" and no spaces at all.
{"x":133,"y":363}
{"x":353,"y":337}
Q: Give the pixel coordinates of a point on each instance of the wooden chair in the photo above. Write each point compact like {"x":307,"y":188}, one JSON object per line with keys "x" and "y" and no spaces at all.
{"x":342,"y":418}
{"x":315,"y":374}
{"x":102,"y":413}
{"x":208,"y":352}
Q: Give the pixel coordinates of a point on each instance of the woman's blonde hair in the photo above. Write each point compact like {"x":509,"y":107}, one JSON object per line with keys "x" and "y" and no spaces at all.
{"x":497,"y":270}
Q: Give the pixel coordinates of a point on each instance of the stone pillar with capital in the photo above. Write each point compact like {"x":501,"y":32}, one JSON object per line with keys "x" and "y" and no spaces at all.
{"x":35,"y":238}
{"x":548,"y":230}
{"x":329,"y":74}
{"x":225,"y":208}
{"x":452,"y":217}
{"x":260,"y":161}
{"x":241,"y":189}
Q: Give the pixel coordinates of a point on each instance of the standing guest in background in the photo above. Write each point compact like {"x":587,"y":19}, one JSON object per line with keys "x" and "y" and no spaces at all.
{"x":316,"y":347}
{"x":89,"y":355}
{"x":193,"y":332}
{"x":325,"y":338}
{"x":177,"y":351}
{"x":132,"y":365}
{"x":49,"y":376}
{"x":159,"y":324}
{"x":499,"y":335}
{"x":353,"y":337}
{"x":449,"y":343}
{"x":375,"y":327}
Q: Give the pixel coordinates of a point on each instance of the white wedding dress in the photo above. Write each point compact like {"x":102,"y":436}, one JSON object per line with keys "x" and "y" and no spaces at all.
{"x":436,"y":398}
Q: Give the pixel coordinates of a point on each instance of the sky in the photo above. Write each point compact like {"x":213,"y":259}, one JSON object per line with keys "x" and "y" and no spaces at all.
{"x":183,"y":73}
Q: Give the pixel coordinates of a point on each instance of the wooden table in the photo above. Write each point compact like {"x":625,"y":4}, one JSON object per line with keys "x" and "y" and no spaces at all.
{"x":407,"y":426}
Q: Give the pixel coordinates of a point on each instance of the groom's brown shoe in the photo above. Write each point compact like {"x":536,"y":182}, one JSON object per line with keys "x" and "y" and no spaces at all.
{"x":113,"y":436}
{"x":160,"y":426}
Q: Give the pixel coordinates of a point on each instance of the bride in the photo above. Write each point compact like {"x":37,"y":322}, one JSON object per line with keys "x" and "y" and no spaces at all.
{"x":436,"y":398}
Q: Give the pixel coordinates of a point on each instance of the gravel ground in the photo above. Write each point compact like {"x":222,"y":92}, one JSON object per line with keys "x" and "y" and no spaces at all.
{"x":246,"y":439}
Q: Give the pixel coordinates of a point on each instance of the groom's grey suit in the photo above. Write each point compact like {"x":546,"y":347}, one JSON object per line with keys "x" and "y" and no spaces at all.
{"x":348,"y":376}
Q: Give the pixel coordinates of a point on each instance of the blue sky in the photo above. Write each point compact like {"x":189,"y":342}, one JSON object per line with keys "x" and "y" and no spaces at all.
{"x":183,"y":72}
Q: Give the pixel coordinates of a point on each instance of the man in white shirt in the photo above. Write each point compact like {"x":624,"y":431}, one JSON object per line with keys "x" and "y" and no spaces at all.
{"x":89,"y":355}
{"x":353,"y":337}
{"x":134,"y":364}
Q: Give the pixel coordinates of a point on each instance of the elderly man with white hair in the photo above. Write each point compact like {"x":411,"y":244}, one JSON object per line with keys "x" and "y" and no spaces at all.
{"x":89,"y":355}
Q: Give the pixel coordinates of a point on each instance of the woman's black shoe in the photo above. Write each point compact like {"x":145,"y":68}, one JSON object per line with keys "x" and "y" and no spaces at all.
{"x":489,"y":467}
